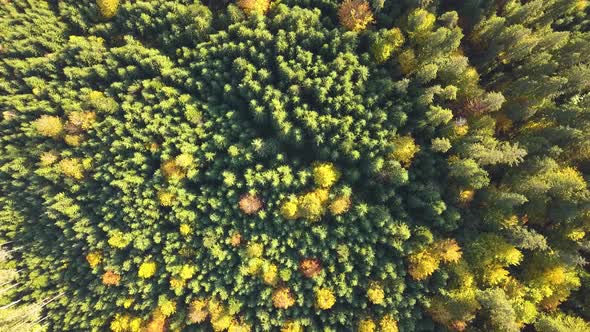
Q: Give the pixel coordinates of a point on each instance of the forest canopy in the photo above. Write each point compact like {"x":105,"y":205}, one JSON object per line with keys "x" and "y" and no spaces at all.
{"x":294,"y":165}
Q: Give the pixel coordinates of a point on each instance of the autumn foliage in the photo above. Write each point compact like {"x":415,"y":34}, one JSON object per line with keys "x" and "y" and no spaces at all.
{"x":294,"y":165}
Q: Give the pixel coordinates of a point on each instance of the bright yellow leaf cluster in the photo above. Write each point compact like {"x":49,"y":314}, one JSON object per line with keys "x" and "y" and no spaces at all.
{"x":147,"y":270}
{"x":324,"y":298}
{"x":252,"y":7}
{"x":125,"y":323}
{"x":423,"y":263}
{"x":375,"y":293}
{"x":119,"y":240}
{"x":292,"y":326}
{"x":94,"y":258}
{"x":187,"y":272}
{"x":48,"y":158}
{"x":325,"y":175}
{"x":166,"y":198}
{"x":310,"y":206}
{"x":388,"y":43}
{"x":388,"y":324}
{"x":404,"y":149}
{"x":185,"y":229}
{"x":173,"y":171}
{"x":367,"y":325}
{"x":447,"y":250}
{"x":314,"y":204}
{"x":466,"y":196}
{"x":72,"y":167}
{"x":167,"y":308}
{"x":107,"y":8}
{"x":48,"y":125}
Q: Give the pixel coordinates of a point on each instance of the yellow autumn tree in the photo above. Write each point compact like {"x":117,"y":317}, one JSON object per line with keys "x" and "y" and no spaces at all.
{"x":107,"y":8}
{"x":388,"y":324}
{"x":325,"y":298}
{"x":198,"y":311}
{"x":94,"y":258}
{"x":72,"y":168}
{"x":252,"y":7}
{"x":147,"y":270}
{"x":48,"y":125}
{"x":339,"y":205}
{"x":355,"y":15}
{"x":366,"y":325}
{"x":404,"y":149}
{"x":282,"y":298}
{"x":375,"y":293}
{"x":422,"y":264}
{"x":447,"y":250}
{"x":325,"y":175}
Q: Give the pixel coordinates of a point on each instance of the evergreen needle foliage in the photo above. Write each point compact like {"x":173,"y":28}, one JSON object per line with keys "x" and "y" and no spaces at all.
{"x":294,"y":165}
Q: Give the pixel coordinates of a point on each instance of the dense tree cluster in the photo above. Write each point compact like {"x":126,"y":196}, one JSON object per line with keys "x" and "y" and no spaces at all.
{"x":295,"y":165}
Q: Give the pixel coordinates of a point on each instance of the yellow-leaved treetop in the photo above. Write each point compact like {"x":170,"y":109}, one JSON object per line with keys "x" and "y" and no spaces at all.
{"x":125,"y":323}
{"x":422,"y":264}
{"x":339,"y":205}
{"x":324,"y":298}
{"x":466,"y":196}
{"x":94,"y":258}
{"x":79,"y":121}
{"x":48,"y":158}
{"x":157,"y":323}
{"x":187,"y":272}
{"x":184,"y":160}
{"x":167,"y":307}
{"x":355,"y":15}
{"x":388,"y":324}
{"x":270,"y":274}
{"x":72,"y":168}
{"x":48,"y":125}
{"x":177,"y":284}
{"x":166,"y":198}
{"x":420,"y":22}
{"x":404,"y":150}
{"x":198,"y":311}
{"x":282,"y":298}
{"x":185,"y":229}
{"x":172,"y":171}
{"x":251,"y":7}
{"x":289,"y":208}
{"x":448,"y":250}
{"x":107,"y":8}
{"x":238,"y":326}
{"x":367,"y":325}
{"x":375,"y":293}
{"x":386,"y":44}
{"x":118,"y":239}
{"x":255,"y":249}
{"x":325,"y":175}
{"x":311,"y":206}
{"x":147,"y":270}
{"x":292,"y":326}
